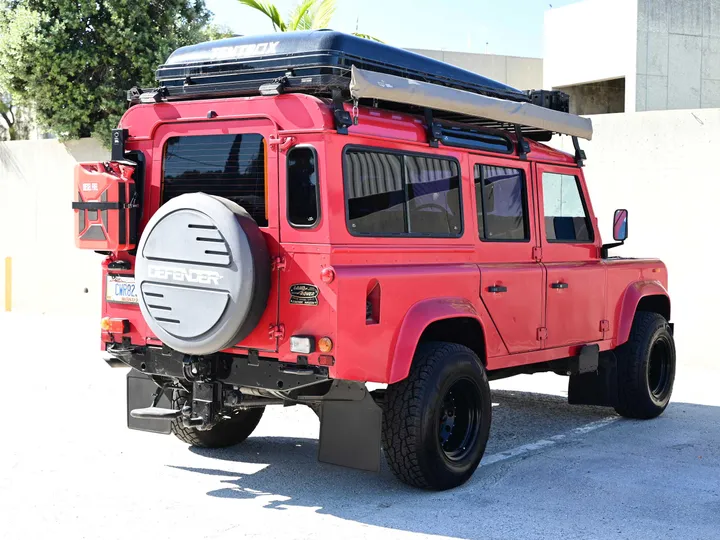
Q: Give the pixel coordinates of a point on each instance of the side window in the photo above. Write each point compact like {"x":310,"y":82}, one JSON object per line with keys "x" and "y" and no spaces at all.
{"x":501,"y":204}
{"x":302,"y":190}
{"x":393,"y":194}
{"x":566,"y":219}
{"x":433,"y":195}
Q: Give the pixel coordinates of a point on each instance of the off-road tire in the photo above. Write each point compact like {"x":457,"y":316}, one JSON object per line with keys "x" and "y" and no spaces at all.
{"x":413,"y":411}
{"x":225,"y":433}
{"x":646,"y":367}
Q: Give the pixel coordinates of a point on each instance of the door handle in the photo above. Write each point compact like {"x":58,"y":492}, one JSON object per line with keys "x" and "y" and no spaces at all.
{"x":559,"y":285}
{"x":497,"y":289}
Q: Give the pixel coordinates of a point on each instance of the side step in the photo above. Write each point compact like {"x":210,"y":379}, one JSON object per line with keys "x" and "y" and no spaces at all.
{"x":155,"y":413}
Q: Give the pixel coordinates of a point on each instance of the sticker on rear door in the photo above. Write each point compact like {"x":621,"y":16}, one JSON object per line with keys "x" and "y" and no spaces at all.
{"x":304,"y":294}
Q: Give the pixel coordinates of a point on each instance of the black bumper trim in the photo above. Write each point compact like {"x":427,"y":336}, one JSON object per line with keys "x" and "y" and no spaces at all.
{"x":261,"y":373}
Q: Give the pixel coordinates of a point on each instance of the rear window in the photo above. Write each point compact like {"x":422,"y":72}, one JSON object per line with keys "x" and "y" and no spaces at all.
{"x":230,"y":166}
{"x":392,"y":194}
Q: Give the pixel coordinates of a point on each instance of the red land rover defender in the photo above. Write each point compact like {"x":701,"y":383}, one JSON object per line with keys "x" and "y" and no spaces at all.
{"x":288,"y":217}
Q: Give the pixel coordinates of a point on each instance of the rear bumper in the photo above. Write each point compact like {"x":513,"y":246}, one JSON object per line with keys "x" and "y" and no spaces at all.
{"x":235,"y":370}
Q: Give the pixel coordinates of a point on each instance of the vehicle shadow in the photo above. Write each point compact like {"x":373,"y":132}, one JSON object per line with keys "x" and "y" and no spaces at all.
{"x":293,"y":477}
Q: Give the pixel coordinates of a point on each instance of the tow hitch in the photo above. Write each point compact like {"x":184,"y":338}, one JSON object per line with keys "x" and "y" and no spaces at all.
{"x":202,"y":411}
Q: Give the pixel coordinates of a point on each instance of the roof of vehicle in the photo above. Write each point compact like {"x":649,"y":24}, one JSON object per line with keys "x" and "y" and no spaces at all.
{"x":298,"y":112}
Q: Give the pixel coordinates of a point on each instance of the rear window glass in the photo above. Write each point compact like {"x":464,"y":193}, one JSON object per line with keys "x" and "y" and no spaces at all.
{"x":230,"y":166}
{"x":402,"y":194}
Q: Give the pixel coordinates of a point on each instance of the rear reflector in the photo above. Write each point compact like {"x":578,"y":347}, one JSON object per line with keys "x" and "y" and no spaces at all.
{"x":326,"y":360}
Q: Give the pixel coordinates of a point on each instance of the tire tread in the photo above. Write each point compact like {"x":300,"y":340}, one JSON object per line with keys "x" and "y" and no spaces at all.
{"x":403,"y":412}
{"x":632,"y":388}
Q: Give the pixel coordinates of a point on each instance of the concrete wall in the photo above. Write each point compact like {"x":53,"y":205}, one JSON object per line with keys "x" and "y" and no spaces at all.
{"x":519,"y":72}
{"x":592,"y":41}
{"x":596,"y":98}
{"x":678,"y":54}
{"x":658,"y":166}
{"x":49,"y":275}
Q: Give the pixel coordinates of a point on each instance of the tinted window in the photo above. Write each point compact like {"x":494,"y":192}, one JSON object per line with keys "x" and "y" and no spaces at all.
{"x":390,"y":194}
{"x":302,"y":189}
{"x":501,"y":203}
{"x":566,"y":219}
{"x":230,"y":166}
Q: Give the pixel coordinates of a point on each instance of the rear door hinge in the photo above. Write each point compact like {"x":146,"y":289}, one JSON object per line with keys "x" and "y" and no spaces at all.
{"x":604,"y":326}
{"x":541,"y":334}
{"x":537,"y":253}
{"x":282,"y":142}
{"x":279,"y":263}
{"x":277,"y":331}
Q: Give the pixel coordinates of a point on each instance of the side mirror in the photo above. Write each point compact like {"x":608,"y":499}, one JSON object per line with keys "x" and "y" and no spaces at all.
{"x":620,"y":225}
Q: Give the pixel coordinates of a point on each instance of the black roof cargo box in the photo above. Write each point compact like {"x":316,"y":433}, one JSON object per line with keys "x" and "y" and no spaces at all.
{"x":311,"y":62}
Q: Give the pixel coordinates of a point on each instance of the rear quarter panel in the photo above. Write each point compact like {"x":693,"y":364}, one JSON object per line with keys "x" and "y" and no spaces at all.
{"x":372,"y":352}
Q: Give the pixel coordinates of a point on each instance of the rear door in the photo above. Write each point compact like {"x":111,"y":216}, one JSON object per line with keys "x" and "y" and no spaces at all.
{"x":511,"y":280}
{"x":575,"y":288}
{"x":230,"y":159}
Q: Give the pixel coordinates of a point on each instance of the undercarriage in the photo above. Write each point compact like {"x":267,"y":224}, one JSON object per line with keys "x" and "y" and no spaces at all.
{"x":200,"y":392}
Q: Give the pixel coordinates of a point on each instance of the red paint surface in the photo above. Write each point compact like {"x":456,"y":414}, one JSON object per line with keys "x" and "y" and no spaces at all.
{"x":421,"y":280}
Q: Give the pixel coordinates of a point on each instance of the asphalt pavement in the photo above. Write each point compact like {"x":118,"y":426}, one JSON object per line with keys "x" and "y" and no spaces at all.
{"x":70,"y":469}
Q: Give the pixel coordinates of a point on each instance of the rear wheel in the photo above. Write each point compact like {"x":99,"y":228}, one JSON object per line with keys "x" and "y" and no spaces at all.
{"x":436,"y":422}
{"x":227,"y":432}
{"x":646,"y":367}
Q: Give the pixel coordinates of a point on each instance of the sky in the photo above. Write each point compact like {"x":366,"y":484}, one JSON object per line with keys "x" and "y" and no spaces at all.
{"x":507,"y":27}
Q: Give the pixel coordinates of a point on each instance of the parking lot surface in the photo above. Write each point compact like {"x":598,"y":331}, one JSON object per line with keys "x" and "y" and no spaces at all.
{"x":70,"y":469}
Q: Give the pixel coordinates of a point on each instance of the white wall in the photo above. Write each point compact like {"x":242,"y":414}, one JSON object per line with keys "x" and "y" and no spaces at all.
{"x":517,"y":71}
{"x":36,"y":228}
{"x":590,"y":41}
{"x":660,"y":166}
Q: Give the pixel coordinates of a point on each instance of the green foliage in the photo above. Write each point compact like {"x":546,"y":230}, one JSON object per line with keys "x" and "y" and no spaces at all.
{"x":73,"y":60}
{"x":11,"y":126}
{"x":307,"y":15}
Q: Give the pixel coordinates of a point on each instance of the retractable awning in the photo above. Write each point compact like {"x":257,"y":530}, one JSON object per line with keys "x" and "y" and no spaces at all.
{"x":370,"y":84}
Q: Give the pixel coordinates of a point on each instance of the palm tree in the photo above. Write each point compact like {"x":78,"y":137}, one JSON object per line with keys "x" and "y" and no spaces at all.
{"x":307,"y":15}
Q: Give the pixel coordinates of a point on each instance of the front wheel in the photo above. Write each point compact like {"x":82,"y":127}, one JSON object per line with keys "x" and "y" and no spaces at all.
{"x":437,"y":421}
{"x":646,"y":367}
{"x":227,"y":432}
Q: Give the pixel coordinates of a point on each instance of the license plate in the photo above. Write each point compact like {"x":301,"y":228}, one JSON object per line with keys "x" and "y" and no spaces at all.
{"x":121,"y":290}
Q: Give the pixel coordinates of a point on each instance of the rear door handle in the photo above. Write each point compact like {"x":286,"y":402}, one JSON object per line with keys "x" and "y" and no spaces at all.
{"x":497,"y":289}
{"x":559,"y":285}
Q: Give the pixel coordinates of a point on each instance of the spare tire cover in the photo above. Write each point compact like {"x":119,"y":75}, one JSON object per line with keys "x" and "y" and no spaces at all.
{"x":202,"y":273}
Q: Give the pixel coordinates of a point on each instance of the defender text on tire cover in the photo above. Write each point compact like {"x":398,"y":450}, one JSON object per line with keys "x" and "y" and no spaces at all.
{"x":203,"y":273}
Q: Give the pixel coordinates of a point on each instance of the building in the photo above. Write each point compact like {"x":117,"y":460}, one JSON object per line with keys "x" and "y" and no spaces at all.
{"x":634,"y":55}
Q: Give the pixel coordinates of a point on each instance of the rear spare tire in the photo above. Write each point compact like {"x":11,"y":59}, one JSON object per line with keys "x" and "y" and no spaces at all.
{"x":202,"y":273}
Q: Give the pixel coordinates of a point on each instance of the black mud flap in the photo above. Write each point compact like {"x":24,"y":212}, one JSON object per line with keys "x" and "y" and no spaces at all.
{"x":597,"y":387}
{"x":140,"y":390}
{"x":350,"y":427}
